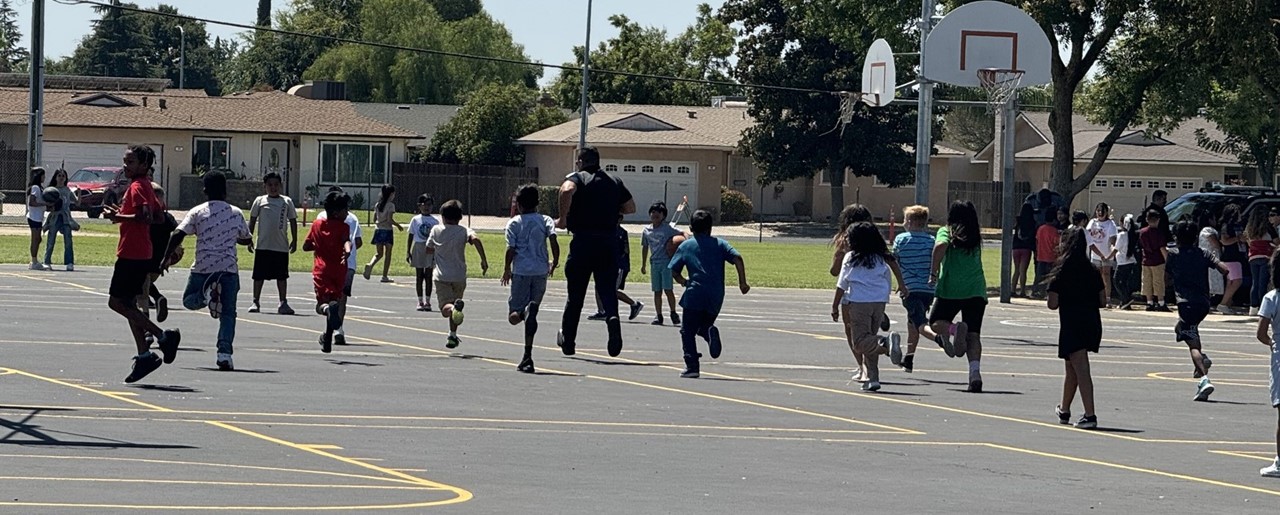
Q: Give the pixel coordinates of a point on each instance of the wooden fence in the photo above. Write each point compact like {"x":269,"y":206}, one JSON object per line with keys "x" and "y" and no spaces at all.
{"x":986,"y":198}
{"x":483,"y":190}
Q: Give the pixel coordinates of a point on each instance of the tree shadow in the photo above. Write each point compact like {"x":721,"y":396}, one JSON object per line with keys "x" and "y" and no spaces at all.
{"x":46,"y":438}
{"x":164,"y":388}
{"x":191,"y":349}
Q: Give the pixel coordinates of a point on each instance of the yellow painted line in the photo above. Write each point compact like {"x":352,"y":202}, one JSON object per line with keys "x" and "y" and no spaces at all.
{"x":411,"y":470}
{"x":1161,"y":375}
{"x":1127,"y":468}
{"x":208,"y":483}
{"x":321,"y":447}
{"x":811,"y":335}
{"x":206,"y":464}
{"x":461,"y":495}
{"x":6,"y":372}
{"x":87,"y":389}
{"x":1256,"y":455}
{"x":126,"y":394}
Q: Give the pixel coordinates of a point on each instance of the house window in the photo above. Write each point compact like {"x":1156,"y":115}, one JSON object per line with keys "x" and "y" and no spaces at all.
{"x":646,"y":169}
{"x":611,"y":168}
{"x":1153,"y":184}
{"x":1100,"y":183}
{"x":211,"y":154}
{"x":1170,"y":185}
{"x":1135,"y":184}
{"x":683,"y":169}
{"x":665,"y":169}
{"x":1117,"y":184}
{"x":353,"y":163}
{"x":629,"y":169}
{"x":1188,"y":185}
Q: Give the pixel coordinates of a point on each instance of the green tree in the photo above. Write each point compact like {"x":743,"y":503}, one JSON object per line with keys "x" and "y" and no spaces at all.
{"x":265,"y":60}
{"x":454,"y":10}
{"x":264,"y":13}
{"x":13,"y":56}
{"x":701,"y":52}
{"x":1250,"y":122}
{"x":117,"y":47}
{"x":821,"y":45}
{"x":487,"y":125}
{"x":165,"y":51}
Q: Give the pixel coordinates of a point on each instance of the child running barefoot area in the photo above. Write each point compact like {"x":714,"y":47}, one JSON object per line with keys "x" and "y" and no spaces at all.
{"x":1077,"y":293}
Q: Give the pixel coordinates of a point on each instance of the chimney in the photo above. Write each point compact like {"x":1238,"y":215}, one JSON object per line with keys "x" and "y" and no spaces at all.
{"x":692,"y":114}
{"x":144,"y":101}
{"x":164,"y":104}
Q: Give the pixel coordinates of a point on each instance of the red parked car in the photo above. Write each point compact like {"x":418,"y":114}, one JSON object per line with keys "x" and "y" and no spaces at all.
{"x":97,"y":186}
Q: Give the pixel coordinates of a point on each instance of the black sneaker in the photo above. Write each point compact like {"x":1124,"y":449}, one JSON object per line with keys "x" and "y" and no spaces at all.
{"x":326,"y":342}
{"x":689,"y":374}
{"x":452,"y":342}
{"x":884,"y":323}
{"x":339,"y":337}
{"x":1151,"y":307}
{"x":975,"y":386}
{"x":143,"y":365}
{"x":597,"y":316}
{"x":566,"y":346}
{"x":331,"y":318}
{"x":1064,"y":417}
{"x":1163,"y":308}
{"x":675,"y":318}
{"x":635,"y":310}
{"x":656,"y":320}
{"x":615,"y":336}
{"x":1087,"y":422}
{"x":526,"y":366}
{"x":169,"y":341}
{"x":908,"y":363}
{"x":162,"y":309}
{"x":1207,"y":363}
{"x":713,"y":341}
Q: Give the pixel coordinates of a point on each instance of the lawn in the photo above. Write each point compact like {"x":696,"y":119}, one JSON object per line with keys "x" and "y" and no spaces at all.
{"x":769,"y":264}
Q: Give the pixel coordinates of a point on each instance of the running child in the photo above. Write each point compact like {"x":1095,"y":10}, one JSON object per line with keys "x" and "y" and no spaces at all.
{"x":214,"y":281}
{"x":271,"y":256}
{"x":356,"y":235}
{"x":1077,"y":293}
{"x":1267,"y":313}
{"x":960,"y":288}
{"x":422,"y":262}
{"x":138,"y":209}
{"x":624,"y":268}
{"x":654,"y":254}
{"x":448,"y":244}
{"x":862,"y":291}
{"x":704,"y":256}
{"x":1186,"y":265}
{"x":383,"y":238}
{"x":526,"y":268}
{"x":851,"y":214}
{"x":913,"y":252}
{"x":160,"y":232}
{"x":330,"y":240}
{"x":1154,"y":252}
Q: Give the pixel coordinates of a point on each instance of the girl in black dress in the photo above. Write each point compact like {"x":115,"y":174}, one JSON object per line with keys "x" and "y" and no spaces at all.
{"x":1076,"y":292}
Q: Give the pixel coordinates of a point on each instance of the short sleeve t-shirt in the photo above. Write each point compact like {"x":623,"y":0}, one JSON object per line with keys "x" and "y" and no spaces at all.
{"x":961,"y":274}
{"x":450,"y":244}
{"x":596,"y":202}
{"x":1048,"y":236}
{"x":862,"y":284}
{"x":914,"y":250}
{"x":35,"y":213}
{"x":328,"y":238}
{"x":273,"y":214}
{"x":655,"y":240}
{"x":1187,"y":267}
{"x":1099,"y":234}
{"x":420,"y":227}
{"x":527,"y":235}
{"x":1269,"y":310}
{"x":217,"y":225}
{"x":385,"y":216}
{"x":354,"y":231}
{"x":1152,"y":239}
{"x":704,"y":257}
{"x":135,"y":233}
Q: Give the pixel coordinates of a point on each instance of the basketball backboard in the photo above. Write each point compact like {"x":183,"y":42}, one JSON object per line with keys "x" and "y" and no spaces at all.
{"x":987,"y":34}
{"x":879,"y":77}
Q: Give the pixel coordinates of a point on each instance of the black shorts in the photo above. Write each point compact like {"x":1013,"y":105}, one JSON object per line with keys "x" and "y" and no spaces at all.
{"x":351,"y":277}
{"x":622,"y":278}
{"x":970,"y":311}
{"x":129,"y":277}
{"x":1189,"y":317}
{"x":270,"y":265}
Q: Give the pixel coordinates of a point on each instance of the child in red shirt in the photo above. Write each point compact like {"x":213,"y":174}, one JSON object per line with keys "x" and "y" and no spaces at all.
{"x":330,"y":239}
{"x":1047,"y":238}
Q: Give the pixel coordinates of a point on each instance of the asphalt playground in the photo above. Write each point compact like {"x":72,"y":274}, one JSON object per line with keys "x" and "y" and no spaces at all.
{"x":394,"y":421}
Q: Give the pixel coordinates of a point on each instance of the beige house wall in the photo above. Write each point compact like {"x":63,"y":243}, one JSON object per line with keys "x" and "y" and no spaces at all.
{"x":883,"y":200}
{"x":554,"y":162}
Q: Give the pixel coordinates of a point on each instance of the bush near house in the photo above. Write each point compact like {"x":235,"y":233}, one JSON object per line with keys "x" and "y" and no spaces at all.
{"x":549,"y":200}
{"x":735,"y":206}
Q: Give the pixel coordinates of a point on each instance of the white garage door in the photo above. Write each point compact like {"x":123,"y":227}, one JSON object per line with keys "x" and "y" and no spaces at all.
{"x":653,"y":181}
{"x":75,"y":156}
{"x":1132,"y":194}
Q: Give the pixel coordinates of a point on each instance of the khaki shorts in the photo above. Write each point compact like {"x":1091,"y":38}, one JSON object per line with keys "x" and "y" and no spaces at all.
{"x":864,"y":322}
{"x":449,"y":291}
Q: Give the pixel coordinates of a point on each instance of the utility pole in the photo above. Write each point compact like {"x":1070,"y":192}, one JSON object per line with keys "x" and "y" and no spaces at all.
{"x":924,"y":108}
{"x":586,"y":81}
{"x":182,"y":59}
{"x":35,"y":120}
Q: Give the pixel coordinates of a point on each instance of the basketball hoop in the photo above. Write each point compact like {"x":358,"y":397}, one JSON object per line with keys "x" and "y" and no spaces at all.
{"x":1000,"y":84}
{"x":848,"y":105}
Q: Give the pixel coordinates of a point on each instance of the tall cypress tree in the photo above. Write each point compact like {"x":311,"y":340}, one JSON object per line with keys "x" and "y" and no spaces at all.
{"x":264,"y":13}
{"x":12,"y":56}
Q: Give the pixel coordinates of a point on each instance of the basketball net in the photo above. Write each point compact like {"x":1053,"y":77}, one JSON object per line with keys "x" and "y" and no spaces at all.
{"x":848,"y":104}
{"x":1000,"y":85}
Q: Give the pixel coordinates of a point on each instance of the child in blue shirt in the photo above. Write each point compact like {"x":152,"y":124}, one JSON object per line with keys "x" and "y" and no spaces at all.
{"x":704,"y":256}
{"x":654,"y":254}
{"x":914,"y":252}
{"x":526,"y":267}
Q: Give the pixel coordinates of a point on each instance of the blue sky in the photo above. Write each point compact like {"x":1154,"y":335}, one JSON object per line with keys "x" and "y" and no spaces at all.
{"x":549,"y":29}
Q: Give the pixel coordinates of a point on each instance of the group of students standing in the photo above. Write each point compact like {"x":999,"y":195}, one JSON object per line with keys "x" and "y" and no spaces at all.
{"x":48,"y":218}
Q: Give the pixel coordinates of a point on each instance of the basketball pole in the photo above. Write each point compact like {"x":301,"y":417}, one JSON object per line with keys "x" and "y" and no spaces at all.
{"x":35,"y":122}
{"x":924,"y":108}
{"x":1009,"y":114}
{"x":586,"y":82}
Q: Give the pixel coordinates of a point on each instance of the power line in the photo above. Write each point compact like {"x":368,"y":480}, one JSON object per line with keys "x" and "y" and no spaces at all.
{"x":442,"y":52}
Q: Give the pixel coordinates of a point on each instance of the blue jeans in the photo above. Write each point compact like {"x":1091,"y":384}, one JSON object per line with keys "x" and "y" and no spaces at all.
{"x":68,"y":249}
{"x":193,"y":299}
{"x":696,"y":322}
{"x":1261,"y":275}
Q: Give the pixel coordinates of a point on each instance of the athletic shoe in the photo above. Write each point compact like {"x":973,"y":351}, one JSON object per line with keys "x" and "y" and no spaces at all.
{"x":566,"y":346}
{"x":1253,"y":312}
{"x":169,"y":340}
{"x":284,"y":309}
{"x":368,"y":270}
{"x":422,"y":306}
{"x":1272,"y":470}
{"x":675,"y":318}
{"x":656,"y":320}
{"x":884,"y":323}
{"x":908,"y":363}
{"x":895,"y":348}
{"x":255,"y":308}
{"x":1151,"y":307}
{"x":1207,"y":363}
{"x":388,"y":280}
{"x":944,"y":341}
{"x":857,"y":375}
{"x":71,"y":268}
{"x":1163,"y":308}
{"x":224,"y":362}
{"x":961,"y":339}
{"x":713,"y":341}
{"x":457,"y":316}
{"x":597,"y":316}
{"x":1087,"y":422}
{"x":689,"y":374}
{"x":339,"y":337}
{"x":635,"y":310}
{"x":452,"y":342}
{"x":1204,"y":390}
{"x":526,"y":366}
{"x":331,"y":317}
{"x":871,"y":386}
{"x":143,"y":365}
{"x":427,"y":306}
{"x":615,"y":336}
{"x":213,"y":297}
{"x":35,"y":265}
{"x":1064,"y":417}
{"x":162,"y":309}
{"x":326,"y":342}
{"x":975,"y":386}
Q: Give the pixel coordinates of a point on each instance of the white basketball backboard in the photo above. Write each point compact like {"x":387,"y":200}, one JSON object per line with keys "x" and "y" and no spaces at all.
{"x":879,"y":76}
{"x":987,"y":34}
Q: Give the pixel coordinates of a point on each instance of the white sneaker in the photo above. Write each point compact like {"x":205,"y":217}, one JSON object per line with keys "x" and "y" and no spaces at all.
{"x":71,"y":268}
{"x":224,"y":362}
{"x":1253,"y":312}
{"x":857,"y":374}
{"x":1272,"y":470}
{"x":871,"y":386}
{"x":1204,"y":390}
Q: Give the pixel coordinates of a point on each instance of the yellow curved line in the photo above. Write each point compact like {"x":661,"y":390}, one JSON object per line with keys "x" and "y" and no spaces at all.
{"x":207,"y":464}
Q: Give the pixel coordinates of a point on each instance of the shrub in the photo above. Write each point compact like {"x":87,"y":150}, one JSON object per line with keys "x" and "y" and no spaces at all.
{"x":549,"y":200}
{"x":735,"y":206}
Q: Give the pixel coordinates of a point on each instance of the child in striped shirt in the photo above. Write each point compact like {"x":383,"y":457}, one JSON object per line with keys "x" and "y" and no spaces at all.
{"x":914,"y":252}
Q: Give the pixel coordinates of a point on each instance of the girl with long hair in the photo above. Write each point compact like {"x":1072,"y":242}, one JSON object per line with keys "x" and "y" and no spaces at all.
{"x":384,"y":218}
{"x":59,"y":221}
{"x":1209,"y":241}
{"x":1077,"y":293}
{"x":1024,"y":244}
{"x":851,"y":214}
{"x":1233,"y":255}
{"x":961,"y":288}
{"x":1260,"y":238}
{"x":862,"y":291}
{"x":1101,"y":233}
{"x":1128,"y":271}
{"x":35,"y":213}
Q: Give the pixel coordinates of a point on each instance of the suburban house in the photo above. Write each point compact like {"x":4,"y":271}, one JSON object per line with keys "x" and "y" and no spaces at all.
{"x":423,"y":119}
{"x":311,"y":137}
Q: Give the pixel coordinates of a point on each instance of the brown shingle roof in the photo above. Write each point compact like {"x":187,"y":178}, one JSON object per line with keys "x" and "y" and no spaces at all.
{"x":710,"y":127}
{"x":1088,"y":135}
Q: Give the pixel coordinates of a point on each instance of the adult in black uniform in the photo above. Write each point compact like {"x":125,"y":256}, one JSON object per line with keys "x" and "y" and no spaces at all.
{"x":590,"y":201}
